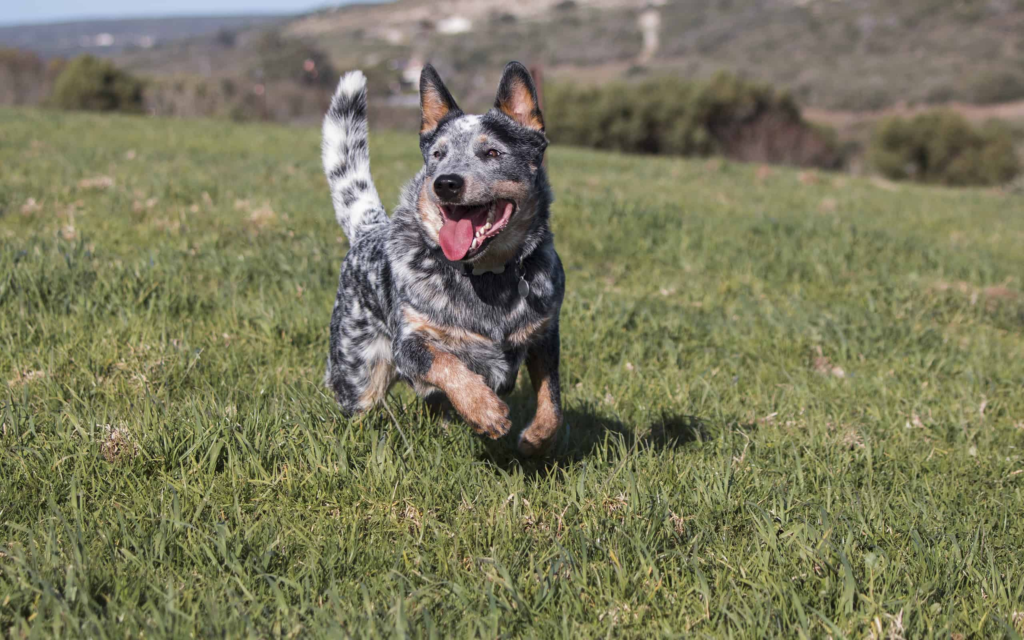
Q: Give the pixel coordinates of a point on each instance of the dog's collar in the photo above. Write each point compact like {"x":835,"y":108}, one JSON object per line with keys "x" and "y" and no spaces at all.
{"x":470,"y":270}
{"x":473,"y":271}
{"x":523,"y":287}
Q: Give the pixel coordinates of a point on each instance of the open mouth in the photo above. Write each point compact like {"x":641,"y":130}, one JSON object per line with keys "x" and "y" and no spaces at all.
{"x":468,"y":228}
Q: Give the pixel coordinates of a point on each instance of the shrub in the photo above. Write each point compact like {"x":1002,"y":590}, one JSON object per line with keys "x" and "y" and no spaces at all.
{"x":279,"y":58}
{"x":725,"y":115}
{"x":998,"y":86}
{"x":23,"y":77}
{"x":942,"y":147}
{"x":236,"y":98}
{"x":91,"y":84}
{"x":225,"y":38}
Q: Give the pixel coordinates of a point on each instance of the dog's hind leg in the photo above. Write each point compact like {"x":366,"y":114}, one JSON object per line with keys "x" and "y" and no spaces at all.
{"x":378,"y":373}
{"x":542,"y":363}
{"x":437,"y":405}
{"x":361,"y":377}
{"x":360,"y":366}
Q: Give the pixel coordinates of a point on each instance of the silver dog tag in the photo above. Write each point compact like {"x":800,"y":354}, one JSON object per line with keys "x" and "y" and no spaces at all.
{"x":524,"y":287}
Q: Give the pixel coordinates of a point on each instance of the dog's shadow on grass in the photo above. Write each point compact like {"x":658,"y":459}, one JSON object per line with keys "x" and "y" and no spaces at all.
{"x":587,"y":431}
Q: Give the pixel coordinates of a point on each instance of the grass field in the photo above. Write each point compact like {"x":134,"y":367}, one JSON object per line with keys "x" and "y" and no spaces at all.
{"x":796,"y":406}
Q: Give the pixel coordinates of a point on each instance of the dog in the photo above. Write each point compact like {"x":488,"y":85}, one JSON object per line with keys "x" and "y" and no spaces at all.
{"x":462,"y":284}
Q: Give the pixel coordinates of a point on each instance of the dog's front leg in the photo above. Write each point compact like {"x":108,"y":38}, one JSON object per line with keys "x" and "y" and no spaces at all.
{"x":542,"y":363}
{"x":429,"y":366}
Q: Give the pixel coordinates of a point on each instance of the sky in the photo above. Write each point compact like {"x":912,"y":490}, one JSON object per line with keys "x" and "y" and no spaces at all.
{"x":24,"y":11}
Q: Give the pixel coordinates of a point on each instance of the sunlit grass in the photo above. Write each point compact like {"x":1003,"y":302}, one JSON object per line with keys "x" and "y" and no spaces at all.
{"x":796,"y":404}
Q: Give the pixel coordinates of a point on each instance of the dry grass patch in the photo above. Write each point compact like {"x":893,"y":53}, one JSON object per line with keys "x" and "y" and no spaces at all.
{"x":117,"y":444}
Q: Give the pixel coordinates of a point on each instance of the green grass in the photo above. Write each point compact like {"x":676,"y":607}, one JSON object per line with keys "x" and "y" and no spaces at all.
{"x":795,"y":401}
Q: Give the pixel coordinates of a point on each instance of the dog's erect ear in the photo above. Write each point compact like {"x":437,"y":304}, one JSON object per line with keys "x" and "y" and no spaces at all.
{"x":435,"y":100}
{"x":517,"y":97}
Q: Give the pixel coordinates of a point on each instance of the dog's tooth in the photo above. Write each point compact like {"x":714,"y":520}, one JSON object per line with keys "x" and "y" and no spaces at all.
{"x":475,"y":242}
{"x":487,"y":226}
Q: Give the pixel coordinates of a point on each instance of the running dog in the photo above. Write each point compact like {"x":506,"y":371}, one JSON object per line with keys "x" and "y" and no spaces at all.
{"x":461,"y":285}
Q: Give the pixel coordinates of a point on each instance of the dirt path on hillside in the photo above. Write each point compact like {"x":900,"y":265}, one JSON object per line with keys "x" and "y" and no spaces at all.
{"x":844,"y":120}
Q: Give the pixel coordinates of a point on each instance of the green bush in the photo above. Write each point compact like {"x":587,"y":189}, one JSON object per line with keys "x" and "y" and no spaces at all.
{"x":998,"y":86}
{"x":725,"y":115}
{"x":942,"y":147}
{"x":90,"y":84}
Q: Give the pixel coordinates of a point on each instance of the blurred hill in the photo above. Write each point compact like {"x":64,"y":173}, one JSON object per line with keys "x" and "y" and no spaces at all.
{"x":851,"y":55}
{"x":835,"y":54}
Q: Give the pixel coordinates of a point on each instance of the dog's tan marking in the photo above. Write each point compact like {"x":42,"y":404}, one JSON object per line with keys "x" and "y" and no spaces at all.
{"x":449,"y":336}
{"x":519,"y":106}
{"x":511,"y":190}
{"x":429,"y":214}
{"x":433,"y":108}
{"x":523,"y":335}
{"x":380,"y":372}
{"x":538,"y":436}
{"x":382,"y":376}
{"x":468,"y":393}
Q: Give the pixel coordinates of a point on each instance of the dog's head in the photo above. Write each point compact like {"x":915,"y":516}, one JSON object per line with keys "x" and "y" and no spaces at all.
{"x":484,"y":185}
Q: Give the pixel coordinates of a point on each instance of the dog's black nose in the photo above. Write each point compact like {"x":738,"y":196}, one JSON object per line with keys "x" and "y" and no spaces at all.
{"x":449,"y":186}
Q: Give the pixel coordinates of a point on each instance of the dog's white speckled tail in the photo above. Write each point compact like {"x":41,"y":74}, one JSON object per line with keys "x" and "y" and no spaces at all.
{"x":346,"y":156}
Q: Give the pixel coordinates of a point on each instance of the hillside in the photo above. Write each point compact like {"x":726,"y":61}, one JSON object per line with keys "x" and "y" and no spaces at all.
{"x":794,"y":406}
{"x":849,"y":54}
{"x":848,"y":63}
{"x":852,"y":55}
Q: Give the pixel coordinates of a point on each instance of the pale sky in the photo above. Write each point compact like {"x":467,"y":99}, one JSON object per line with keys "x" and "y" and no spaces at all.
{"x":22,"y":11}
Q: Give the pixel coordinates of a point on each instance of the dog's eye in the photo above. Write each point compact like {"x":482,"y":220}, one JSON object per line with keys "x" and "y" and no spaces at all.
{"x":437,"y":154}
{"x":493,"y":153}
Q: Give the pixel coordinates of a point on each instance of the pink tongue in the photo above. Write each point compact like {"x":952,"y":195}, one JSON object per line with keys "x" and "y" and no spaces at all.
{"x":455,"y":237}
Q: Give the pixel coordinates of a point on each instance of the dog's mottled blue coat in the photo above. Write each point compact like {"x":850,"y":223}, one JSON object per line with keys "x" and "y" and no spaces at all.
{"x":403,"y":310}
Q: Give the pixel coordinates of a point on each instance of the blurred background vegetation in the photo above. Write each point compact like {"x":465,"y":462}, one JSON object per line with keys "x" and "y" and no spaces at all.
{"x":725,"y":116}
{"x":90,"y":84}
{"x":942,"y":147}
{"x":925,"y":90}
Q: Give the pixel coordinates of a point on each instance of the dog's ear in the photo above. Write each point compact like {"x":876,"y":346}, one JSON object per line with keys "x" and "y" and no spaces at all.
{"x":517,"y":97}
{"x":435,"y":101}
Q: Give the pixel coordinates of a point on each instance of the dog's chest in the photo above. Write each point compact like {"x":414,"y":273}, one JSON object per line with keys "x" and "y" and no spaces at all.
{"x":495,"y":349}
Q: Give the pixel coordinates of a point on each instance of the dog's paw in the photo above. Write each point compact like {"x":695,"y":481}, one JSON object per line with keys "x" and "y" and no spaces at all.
{"x":490,"y":417}
{"x":532,"y":449}
{"x":536,"y":440}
